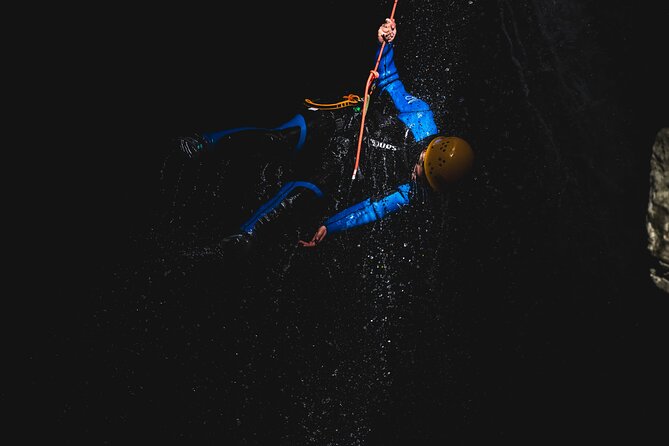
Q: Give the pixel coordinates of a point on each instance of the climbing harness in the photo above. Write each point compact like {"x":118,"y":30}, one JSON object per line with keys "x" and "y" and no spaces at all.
{"x":373,"y":75}
{"x":349,"y":100}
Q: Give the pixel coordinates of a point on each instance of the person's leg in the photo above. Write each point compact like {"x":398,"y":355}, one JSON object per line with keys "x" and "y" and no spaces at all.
{"x":294,"y":200}
{"x":287,"y":140}
{"x":277,"y":142}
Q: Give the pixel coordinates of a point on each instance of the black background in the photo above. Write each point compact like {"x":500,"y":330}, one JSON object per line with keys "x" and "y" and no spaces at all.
{"x":544,"y":327}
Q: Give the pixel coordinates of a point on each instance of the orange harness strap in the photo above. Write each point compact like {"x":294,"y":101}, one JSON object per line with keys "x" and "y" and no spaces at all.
{"x":373,"y":74}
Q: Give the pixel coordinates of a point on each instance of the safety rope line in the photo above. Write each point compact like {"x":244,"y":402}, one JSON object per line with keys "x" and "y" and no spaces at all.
{"x":373,"y":75}
{"x":350,"y":99}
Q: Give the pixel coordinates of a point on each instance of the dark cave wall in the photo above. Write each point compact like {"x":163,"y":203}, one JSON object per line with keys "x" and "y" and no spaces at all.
{"x":512,"y":308}
{"x":553,"y":221}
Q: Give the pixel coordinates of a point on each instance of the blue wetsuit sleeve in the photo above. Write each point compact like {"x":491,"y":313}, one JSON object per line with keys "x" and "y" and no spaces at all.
{"x":412,"y":111}
{"x":368,"y":211}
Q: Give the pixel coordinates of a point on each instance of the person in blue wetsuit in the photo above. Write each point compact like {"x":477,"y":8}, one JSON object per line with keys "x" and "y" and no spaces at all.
{"x":403,"y":154}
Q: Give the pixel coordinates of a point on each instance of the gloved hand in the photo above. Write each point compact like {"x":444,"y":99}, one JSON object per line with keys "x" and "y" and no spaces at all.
{"x":316,"y":239}
{"x":387,"y":31}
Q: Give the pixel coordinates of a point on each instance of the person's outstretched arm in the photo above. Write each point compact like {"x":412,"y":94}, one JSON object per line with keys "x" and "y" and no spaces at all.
{"x":414,"y":112}
{"x":362,"y":213}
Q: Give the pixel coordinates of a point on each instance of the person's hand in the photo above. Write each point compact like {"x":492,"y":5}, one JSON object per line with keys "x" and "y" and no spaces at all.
{"x":316,"y":239}
{"x":387,"y":31}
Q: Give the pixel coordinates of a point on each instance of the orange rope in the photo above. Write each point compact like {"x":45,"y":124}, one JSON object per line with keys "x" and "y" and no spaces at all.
{"x":373,"y":74}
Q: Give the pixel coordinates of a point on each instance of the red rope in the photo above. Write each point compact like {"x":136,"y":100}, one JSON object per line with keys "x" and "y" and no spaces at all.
{"x":373,"y":74}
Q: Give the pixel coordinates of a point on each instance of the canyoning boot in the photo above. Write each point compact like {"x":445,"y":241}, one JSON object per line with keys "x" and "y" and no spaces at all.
{"x":191,"y":146}
{"x":241,"y":240}
{"x":239,"y":245}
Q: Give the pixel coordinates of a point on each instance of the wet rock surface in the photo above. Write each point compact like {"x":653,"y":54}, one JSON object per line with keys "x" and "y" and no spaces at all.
{"x":658,"y":211}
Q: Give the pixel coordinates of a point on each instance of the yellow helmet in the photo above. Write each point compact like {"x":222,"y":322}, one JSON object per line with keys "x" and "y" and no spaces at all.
{"x":447,"y":159}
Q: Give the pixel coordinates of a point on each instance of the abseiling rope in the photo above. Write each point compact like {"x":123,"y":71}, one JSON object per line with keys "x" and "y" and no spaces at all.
{"x":373,"y":74}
